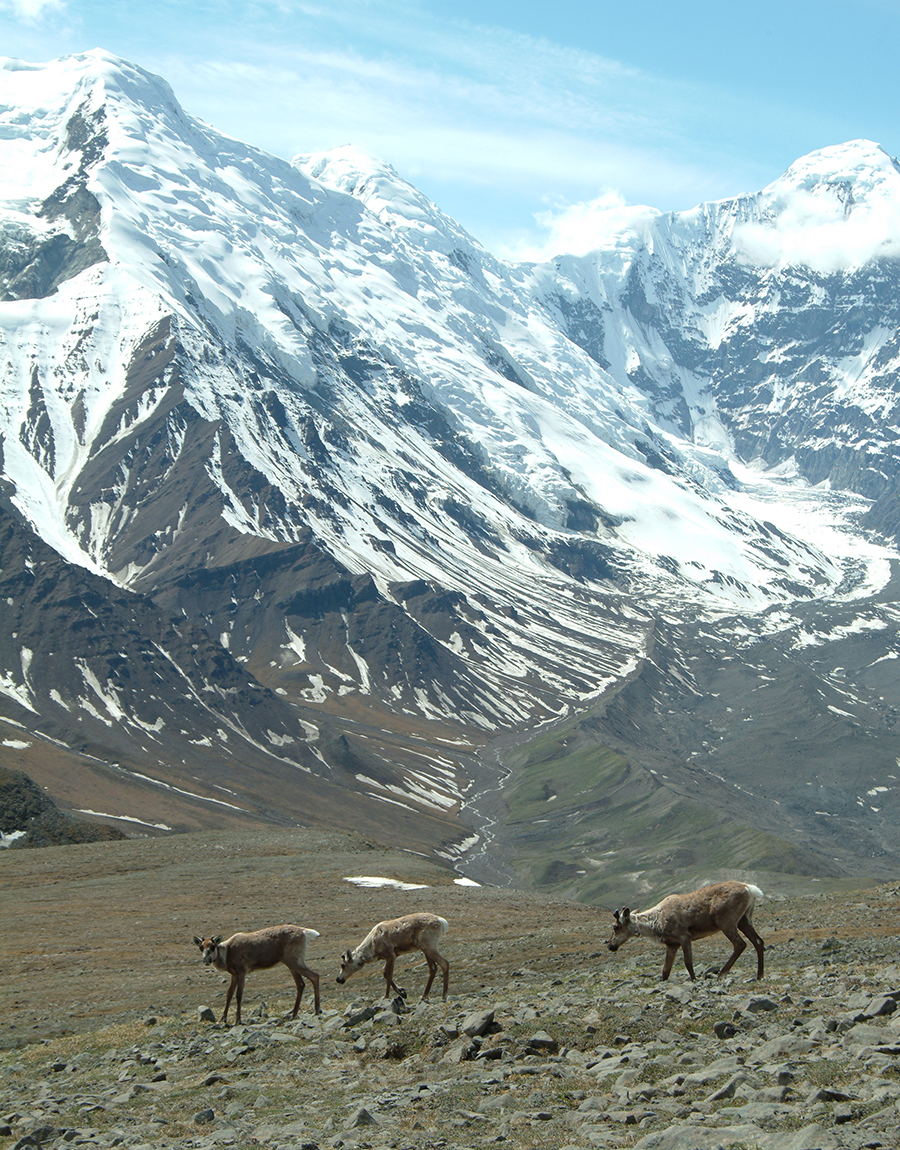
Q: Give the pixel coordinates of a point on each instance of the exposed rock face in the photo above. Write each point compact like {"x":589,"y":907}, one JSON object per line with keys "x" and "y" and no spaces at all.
{"x":742,"y":324}
{"x":33,"y":263}
{"x":116,"y":689}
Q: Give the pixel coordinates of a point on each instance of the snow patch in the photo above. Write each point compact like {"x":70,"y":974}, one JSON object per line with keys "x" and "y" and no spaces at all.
{"x":372,"y":882}
{"x":123,"y":818}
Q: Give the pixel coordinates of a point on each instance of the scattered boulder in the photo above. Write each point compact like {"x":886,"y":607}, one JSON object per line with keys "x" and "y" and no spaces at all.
{"x":541,"y":1043}
{"x":361,"y":1117}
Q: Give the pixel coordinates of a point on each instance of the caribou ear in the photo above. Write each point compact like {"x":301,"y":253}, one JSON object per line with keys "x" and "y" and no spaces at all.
{"x":216,"y":939}
{"x":199,"y":941}
{"x":616,"y":914}
{"x":626,"y":914}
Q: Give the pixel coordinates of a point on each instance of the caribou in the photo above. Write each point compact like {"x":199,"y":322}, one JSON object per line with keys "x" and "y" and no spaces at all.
{"x":681,"y":918}
{"x":259,"y":950}
{"x":420,"y":931}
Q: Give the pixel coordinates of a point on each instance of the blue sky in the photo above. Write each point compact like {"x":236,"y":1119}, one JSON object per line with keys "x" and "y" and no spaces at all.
{"x":524,"y":121}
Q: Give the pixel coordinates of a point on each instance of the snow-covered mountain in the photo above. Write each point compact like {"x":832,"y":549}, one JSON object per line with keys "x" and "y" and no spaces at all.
{"x":404,"y":497}
{"x":765,"y":326}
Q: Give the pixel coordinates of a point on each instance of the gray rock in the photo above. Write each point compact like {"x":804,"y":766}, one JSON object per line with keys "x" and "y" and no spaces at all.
{"x":629,"y":1117}
{"x":594,"y":1103}
{"x":206,"y":1014}
{"x":826,"y":1095}
{"x":502,"y":1101}
{"x":459,"y":1050}
{"x":386,"y":1018}
{"x":780,"y":1047}
{"x":757,"y":1004}
{"x":727,"y":1091}
{"x":669,"y":1037}
{"x":814,"y":1136}
{"x":361,"y":1016}
{"x":865,"y":1034}
{"x":543,"y":1042}
{"x":477,"y":1023}
{"x":772,"y":1094}
{"x":691,"y":1137}
{"x":880,"y":1006}
{"x":764,"y":1114}
{"x":361,"y":1117}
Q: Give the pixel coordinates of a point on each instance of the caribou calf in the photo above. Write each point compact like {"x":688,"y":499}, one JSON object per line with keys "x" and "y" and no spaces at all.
{"x":681,"y":918}
{"x":420,"y":931}
{"x":258,"y":950}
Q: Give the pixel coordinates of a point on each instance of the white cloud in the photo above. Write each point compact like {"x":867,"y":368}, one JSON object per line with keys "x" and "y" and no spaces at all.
{"x":488,"y":122}
{"x":816,"y":229}
{"x":576,"y":229}
{"x":30,"y":10}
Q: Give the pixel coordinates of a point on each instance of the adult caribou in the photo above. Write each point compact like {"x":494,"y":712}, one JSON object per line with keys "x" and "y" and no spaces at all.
{"x":680,"y":919}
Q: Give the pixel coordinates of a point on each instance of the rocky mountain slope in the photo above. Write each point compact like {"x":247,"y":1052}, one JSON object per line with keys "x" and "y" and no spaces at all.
{"x":29,"y":819}
{"x":328,"y":499}
{"x":763,"y":325}
{"x":545,"y":1038}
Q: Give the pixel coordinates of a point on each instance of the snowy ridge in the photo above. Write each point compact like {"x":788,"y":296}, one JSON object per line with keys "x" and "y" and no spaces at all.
{"x":760,"y":328}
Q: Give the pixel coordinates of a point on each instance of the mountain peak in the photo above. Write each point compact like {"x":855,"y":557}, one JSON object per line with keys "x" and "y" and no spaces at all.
{"x":861,"y":163}
{"x":50,"y":85}
{"x":387,"y":195}
{"x":832,"y":210}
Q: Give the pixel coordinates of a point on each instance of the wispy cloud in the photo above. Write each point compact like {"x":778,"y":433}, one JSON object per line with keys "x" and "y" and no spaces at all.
{"x":836,"y":209}
{"x":490,"y":123}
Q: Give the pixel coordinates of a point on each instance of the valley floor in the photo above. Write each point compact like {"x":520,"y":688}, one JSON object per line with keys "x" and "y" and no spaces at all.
{"x":546,"y":1038}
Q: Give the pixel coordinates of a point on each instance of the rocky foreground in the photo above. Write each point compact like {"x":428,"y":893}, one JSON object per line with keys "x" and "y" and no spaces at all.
{"x":605,"y":1055}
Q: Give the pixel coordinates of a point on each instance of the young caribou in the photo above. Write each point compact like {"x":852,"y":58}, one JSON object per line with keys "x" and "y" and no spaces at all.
{"x":420,"y":931}
{"x":681,"y":918}
{"x":258,"y":950}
